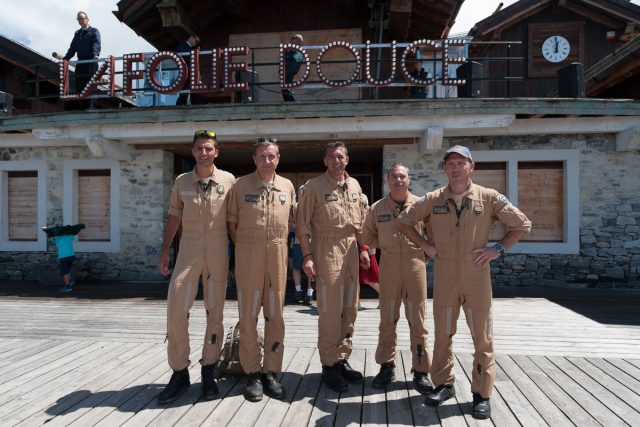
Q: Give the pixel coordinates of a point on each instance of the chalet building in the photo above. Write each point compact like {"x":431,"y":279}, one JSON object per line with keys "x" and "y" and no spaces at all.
{"x":569,"y":162}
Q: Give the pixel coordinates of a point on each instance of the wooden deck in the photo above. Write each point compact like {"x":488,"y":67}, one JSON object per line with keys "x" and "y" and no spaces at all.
{"x":81,"y":361}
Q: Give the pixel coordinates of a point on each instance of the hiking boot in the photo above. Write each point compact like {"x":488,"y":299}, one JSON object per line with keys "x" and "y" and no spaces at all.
{"x":332,"y":377}
{"x":307,"y":301}
{"x":253,"y":391}
{"x":440,"y":394}
{"x":209,"y":386}
{"x":272,"y":386}
{"x":422,"y":383}
{"x":386,"y":375}
{"x":481,"y":407}
{"x":348,"y":372}
{"x":298,"y":297}
{"x":178,"y":383}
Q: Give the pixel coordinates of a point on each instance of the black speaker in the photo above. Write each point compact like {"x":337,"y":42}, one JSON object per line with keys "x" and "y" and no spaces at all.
{"x":472,"y":73}
{"x":6,"y":104}
{"x":571,"y":81}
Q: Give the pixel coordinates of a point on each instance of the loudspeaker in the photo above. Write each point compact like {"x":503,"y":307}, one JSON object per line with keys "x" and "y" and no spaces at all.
{"x":472,"y":73}
{"x":6,"y":104}
{"x":571,"y":81}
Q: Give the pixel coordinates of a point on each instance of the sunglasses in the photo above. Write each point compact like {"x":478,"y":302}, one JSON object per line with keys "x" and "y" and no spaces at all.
{"x":271,"y":140}
{"x":206,"y":133}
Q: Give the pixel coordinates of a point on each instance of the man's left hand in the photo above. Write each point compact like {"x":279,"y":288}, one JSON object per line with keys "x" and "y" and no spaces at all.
{"x":483,"y":256}
{"x":365,"y":261}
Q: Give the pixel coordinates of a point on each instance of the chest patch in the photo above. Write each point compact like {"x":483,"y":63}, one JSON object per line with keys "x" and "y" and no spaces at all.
{"x":477,"y":209}
{"x":331,"y":197}
{"x":283,"y":199}
{"x":384,"y":218}
{"x":220,"y":189}
{"x":354,"y":197}
{"x":251,"y":198}
{"x":441,"y":210}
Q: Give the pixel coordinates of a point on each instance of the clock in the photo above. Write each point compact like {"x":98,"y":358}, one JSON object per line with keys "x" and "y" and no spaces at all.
{"x":556,"y":48}
{"x":552,"y":45}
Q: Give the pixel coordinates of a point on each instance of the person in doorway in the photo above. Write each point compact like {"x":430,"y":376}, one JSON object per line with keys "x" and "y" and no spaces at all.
{"x":329,"y":224}
{"x":86,"y":45}
{"x":292,"y":62}
{"x":261,"y":208}
{"x":198,"y":202}
{"x":369,"y":276}
{"x":403,"y":280}
{"x":459,"y":217}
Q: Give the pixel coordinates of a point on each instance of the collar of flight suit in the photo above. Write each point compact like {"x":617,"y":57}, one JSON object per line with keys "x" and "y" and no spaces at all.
{"x":472,"y":193}
{"x":334,"y":182}
{"x":256,"y":182}
{"x":215,"y":176}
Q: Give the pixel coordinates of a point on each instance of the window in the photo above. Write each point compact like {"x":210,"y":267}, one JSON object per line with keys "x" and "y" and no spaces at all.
{"x":92,"y":198}
{"x":544,"y":185}
{"x":23,"y":199}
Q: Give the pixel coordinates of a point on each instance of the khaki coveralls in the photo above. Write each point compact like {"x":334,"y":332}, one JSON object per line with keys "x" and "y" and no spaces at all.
{"x":263,"y":219}
{"x":460,"y":282}
{"x":332,"y":215}
{"x":403,"y":278}
{"x":203,"y":253}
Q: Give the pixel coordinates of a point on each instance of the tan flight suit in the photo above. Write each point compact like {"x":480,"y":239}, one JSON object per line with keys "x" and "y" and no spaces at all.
{"x":332,"y":215}
{"x":203,"y":253}
{"x":458,"y":281}
{"x":263,"y":219}
{"x":403,"y":278}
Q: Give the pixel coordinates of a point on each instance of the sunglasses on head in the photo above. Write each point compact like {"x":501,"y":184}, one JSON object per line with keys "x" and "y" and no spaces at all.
{"x":207,"y":133}
{"x":271,"y":140}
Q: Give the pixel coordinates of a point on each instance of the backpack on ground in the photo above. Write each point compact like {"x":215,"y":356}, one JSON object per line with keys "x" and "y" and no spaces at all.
{"x":229,"y":363}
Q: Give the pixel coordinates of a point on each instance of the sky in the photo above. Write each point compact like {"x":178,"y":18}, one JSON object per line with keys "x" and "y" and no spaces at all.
{"x":48,"y":25}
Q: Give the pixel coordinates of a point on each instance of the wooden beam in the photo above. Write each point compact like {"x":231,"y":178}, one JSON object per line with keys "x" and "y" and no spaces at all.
{"x":597,"y":16}
{"x":628,"y":140}
{"x":431,"y":140}
{"x":104,"y":148}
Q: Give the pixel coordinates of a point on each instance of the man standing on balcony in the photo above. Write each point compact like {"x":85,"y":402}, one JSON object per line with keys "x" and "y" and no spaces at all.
{"x":260,"y":211}
{"x":459,"y":219}
{"x":329,"y":222}
{"x":198,"y":202}
{"x":86,"y":44}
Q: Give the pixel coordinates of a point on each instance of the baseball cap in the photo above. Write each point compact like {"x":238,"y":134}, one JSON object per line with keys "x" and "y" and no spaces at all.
{"x":463,"y":151}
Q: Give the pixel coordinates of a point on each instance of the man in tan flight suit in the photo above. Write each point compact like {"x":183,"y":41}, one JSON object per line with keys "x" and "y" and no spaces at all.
{"x":199,"y":202}
{"x":329,"y":222}
{"x":260,"y":211}
{"x":403,"y":278}
{"x":459,"y":218}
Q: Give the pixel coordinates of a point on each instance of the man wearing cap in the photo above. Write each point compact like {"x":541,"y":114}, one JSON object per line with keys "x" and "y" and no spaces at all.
{"x":403,"y":279}
{"x":260,"y":211}
{"x":329,"y":222}
{"x":458,"y":219}
{"x":198,"y":202}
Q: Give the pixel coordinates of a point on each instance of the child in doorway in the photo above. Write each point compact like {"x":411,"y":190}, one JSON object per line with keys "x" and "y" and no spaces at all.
{"x":296,"y":265}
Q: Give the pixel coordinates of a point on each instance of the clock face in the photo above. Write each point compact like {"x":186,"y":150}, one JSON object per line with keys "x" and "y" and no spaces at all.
{"x":556,"y":49}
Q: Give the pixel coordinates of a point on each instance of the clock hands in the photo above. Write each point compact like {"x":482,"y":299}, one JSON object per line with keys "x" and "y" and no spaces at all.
{"x":556,"y":44}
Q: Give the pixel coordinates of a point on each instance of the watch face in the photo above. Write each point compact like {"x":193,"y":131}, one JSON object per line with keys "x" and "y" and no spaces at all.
{"x":556,"y":49}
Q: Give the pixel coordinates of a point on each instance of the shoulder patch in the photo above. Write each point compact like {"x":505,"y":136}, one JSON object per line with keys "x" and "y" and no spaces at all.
{"x":502,"y":199}
{"x":301,"y":191}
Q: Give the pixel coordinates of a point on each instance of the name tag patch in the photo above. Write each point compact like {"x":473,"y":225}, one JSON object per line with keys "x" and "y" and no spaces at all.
{"x":332,"y":197}
{"x":441,"y":210}
{"x":384,"y":218}
{"x":252,"y":198}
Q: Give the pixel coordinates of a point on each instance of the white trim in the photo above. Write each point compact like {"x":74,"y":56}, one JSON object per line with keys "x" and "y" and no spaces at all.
{"x":571,"y":159}
{"x":70,"y":202}
{"x":40,"y":245}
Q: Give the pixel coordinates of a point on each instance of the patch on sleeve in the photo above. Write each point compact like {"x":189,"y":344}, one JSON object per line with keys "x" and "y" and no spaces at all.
{"x":301,"y":191}
{"x":502,"y":199}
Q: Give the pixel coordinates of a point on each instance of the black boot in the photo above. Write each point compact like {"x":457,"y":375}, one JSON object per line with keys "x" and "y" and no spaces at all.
{"x":348,"y":372}
{"x":481,"y":407}
{"x":272,"y":386}
{"x":253,"y":391}
{"x":209,"y":386}
{"x":178,"y":383}
{"x":386,"y":375}
{"x":440,"y":394}
{"x":422,"y":383}
{"x":332,"y":377}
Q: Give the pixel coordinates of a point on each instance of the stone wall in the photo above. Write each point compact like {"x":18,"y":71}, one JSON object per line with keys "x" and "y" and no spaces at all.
{"x":609,"y":210}
{"x":144,"y":193}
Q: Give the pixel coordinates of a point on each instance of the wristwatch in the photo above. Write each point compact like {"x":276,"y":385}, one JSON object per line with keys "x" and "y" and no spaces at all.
{"x":498,"y":247}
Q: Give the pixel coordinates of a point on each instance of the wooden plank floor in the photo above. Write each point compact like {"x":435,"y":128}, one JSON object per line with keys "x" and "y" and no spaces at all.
{"x":84,"y":362}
